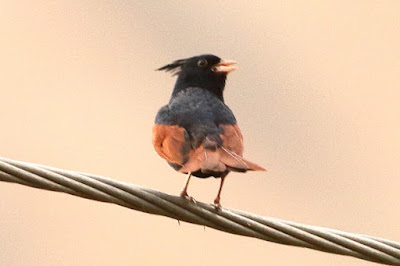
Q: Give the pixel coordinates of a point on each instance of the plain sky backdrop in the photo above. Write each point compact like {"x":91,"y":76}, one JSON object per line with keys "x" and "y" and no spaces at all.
{"x":316,"y":95}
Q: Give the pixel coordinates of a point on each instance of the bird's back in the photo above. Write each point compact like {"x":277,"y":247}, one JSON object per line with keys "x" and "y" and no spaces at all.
{"x":196,"y":132}
{"x":199,"y":112}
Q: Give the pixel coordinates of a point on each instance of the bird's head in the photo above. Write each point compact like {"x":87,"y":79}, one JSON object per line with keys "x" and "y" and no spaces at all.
{"x":204,"y":71}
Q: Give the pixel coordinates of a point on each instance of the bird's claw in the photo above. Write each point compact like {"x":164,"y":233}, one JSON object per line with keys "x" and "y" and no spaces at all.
{"x":217,"y":205}
{"x":187,"y":197}
{"x":184,"y":194}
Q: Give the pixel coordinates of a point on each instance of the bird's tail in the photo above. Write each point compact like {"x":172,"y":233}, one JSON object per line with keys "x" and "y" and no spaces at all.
{"x":236,"y":162}
{"x":218,"y":160}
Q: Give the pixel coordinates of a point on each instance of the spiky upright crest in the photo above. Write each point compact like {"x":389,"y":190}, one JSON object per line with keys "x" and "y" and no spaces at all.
{"x":174,"y":67}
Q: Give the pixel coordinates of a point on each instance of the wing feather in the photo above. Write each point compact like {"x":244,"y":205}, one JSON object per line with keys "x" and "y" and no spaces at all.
{"x":169,"y":141}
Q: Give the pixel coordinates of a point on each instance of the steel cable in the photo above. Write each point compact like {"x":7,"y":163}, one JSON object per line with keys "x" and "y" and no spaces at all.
{"x":232,"y":221}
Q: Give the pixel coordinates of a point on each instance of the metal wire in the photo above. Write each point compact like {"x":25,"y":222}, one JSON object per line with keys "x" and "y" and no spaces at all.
{"x":232,"y":221}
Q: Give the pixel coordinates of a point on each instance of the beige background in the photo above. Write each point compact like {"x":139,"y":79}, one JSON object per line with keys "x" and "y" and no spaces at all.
{"x":316,"y":95}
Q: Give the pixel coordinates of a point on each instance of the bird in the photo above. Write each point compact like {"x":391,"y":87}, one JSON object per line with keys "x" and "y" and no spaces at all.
{"x":196,"y":132}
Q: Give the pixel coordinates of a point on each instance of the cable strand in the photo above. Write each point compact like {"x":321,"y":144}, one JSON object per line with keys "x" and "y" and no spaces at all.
{"x":232,"y":221}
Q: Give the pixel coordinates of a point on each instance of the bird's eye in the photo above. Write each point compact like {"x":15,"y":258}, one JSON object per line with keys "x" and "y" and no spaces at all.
{"x":202,"y":63}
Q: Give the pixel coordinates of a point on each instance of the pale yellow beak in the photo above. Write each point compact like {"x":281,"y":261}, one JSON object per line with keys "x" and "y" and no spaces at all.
{"x":225,"y":66}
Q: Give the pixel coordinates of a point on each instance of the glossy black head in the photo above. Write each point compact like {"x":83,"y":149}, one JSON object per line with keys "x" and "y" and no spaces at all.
{"x":205,"y":71}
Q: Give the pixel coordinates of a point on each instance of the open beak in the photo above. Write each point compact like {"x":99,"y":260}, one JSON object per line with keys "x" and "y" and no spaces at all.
{"x":225,"y":66}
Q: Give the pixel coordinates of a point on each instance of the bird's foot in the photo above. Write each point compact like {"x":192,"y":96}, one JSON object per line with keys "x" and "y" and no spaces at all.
{"x":217,"y":205}
{"x":187,"y":197}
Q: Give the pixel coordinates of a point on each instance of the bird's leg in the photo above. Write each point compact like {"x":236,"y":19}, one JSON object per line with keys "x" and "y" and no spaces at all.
{"x":217,"y":200}
{"x":184,"y":193}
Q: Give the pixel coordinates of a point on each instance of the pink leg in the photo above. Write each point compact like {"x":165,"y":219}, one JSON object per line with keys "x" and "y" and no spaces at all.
{"x":184,"y":193}
{"x":218,"y":198}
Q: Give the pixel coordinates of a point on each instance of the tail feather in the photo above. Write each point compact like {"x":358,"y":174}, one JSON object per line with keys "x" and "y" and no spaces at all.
{"x":212,"y":162}
{"x":218,"y":160}
{"x":232,"y":160}
{"x":195,"y":159}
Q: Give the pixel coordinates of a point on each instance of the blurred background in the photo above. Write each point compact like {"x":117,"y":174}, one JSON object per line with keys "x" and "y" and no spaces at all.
{"x":316,"y":95}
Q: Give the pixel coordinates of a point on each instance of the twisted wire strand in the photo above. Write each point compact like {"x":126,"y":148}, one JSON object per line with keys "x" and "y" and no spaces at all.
{"x":232,"y":221}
